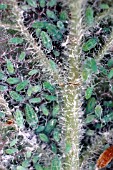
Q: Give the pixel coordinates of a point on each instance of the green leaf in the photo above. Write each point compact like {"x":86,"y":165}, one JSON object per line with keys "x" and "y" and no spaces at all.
{"x":53,"y":65}
{"x":39,"y":24}
{"x":50,"y":98}
{"x":32,"y":72}
{"x":63,"y":15}
{"x":88,"y":92}
{"x":35,"y":100}
{"x":22,"y":56}
{"x":3,"y":6}
{"x":68,"y":147}
{"x":48,"y":86}
{"x":36,"y":88}
{"x":31,"y":116}
{"x":25,"y":163}
{"x":11,"y":151}
{"x":90,"y":132}
{"x":90,"y":44}
{"x":13,"y":142}
{"x":42,"y":3}
{"x":39,"y":129}
{"x":38,"y":167}
{"x":52,"y":3}
{"x":110,"y":74}
{"x":56,"y":135}
{"x":89,"y":16}
{"x":13,"y":80}
{"x":104,"y":6}
{"x":56,"y":53}
{"x":103,"y":70}
{"x":51,"y":14}
{"x":108,"y":118}
{"x":54,"y":147}
{"x":54,"y":32}
{"x":2,"y":76}
{"x":44,"y":110}
{"x":43,"y":137}
{"x":60,"y":25}
{"x":98,"y":111}
{"x":90,"y":118}
{"x":110,"y":62}
{"x":10,"y":67}
{"x":2,"y":114}
{"x":28,"y":154}
{"x":93,"y":65}
{"x":22,"y":85}
{"x":35,"y":158}
{"x":20,"y":168}
{"x":46,"y":40}
{"x":50,"y":125}
{"x":16,"y":40}
{"x":56,"y":164}
{"x":85,"y":74}
{"x":19,"y":118}
{"x":15,"y":96}
{"x":32,"y":3}
{"x":90,"y":105}
{"x":3,"y":88}
{"x":38,"y":31}
{"x":55,"y":111}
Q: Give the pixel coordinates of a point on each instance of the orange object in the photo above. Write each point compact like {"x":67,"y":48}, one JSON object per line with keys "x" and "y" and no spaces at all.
{"x":10,"y":121}
{"x":105,"y":158}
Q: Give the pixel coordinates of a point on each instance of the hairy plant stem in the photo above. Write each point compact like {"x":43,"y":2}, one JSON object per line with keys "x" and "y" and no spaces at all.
{"x":71,"y":92}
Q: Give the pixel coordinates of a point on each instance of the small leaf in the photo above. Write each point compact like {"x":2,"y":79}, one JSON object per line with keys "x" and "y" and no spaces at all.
{"x":35,"y":100}
{"x":55,"y":110}
{"x":108,"y":118}
{"x":93,"y":65}
{"x":50,"y":125}
{"x":53,"y":65}
{"x":20,"y":168}
{"x":51,"y":14}
{"x":31,"y":116}
{"x":36,"y":88}
{"x":25,"y":163}
{"x":56,"y":164}
{"x":90,"y":44}
{"x":38,"y":31}
{"x":39,"y":24}
{"x":44,"y":110}
{"x":54,"y":147}
{"x":32,"y":3}
{"x":35,"y":158}
{"x":56,"y":135}
{"x":3,"y":88}
{"x":90,"y":118}
{"x":13,"y":142}
{"x":50,"y":98}
{"x":110,"y":62}
{"x":52,"y":3}
{"x":103,"y":70}
{"x":38,"y":167}
{"x":98,"y":111}
{"x":48,"y":86}
{"x":88,"y":92}
{"x":2,"y":76}
{"x":60,"y":25}
{"x":13,"y":80}
{"x":39,"y":129}
{"x":42,"y":3}
{"x":15,"y":96}
{"x":110,"y":74}
{"x":3,"y":6}
{"x":10,"y":67}
{"x":89,"y":16}
{"x":85,"y":74}
{"x":28,"y":154}
{"x":63,"y":15}
{"x":43,"y":137}
{"x":2,"y":114}
{"x":19,"y":118}
{"x":32,"y":72}
{"x":22,"y":85}
{"x":90,"y":105}
{"x":46,"y":40}
{"x":104,"y":6}
{"x":11,"y":151}
{"x":16,"y":40}
{"x":22,"y":56}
